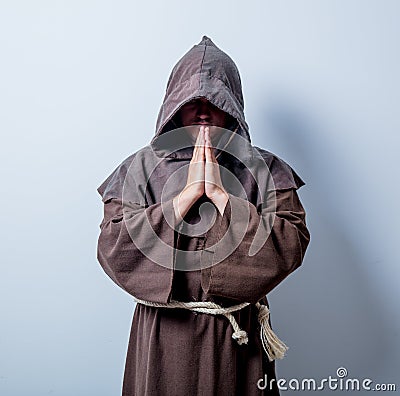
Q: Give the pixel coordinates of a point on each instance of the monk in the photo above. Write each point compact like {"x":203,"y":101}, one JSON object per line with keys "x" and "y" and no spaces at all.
{"x":199,"y":226}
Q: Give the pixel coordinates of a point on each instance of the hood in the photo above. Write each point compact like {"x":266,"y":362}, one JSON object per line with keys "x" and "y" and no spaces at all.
{"x":204,"y":71}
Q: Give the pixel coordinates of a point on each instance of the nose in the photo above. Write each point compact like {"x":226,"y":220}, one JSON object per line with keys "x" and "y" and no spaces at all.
{"x":203,"y":110}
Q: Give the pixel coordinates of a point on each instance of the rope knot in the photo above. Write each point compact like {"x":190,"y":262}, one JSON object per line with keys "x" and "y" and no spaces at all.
{"x":263,"y":313}
{"x":240,"y":336}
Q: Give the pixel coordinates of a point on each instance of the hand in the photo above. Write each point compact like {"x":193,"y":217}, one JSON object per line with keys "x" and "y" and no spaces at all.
{"x":214,"y":188}
{"x":195,"y":180}
{"x":203,"y":177}
{"x":194,"y":188}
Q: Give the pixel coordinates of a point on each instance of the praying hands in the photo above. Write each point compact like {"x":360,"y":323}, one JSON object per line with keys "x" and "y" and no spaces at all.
{"x":203,"y":177}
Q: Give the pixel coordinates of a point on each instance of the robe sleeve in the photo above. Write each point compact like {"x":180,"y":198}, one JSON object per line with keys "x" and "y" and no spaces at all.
{"x":248,"y":278}
{"x":130,"y":244}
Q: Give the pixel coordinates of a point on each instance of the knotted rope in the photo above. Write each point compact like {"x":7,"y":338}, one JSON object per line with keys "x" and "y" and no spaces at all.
{"x":273,"y":346}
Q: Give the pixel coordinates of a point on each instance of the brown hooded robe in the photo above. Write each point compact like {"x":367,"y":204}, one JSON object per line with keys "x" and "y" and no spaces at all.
{"x":179,"y":352}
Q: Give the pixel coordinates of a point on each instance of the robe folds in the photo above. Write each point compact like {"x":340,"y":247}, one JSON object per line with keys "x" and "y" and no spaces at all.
{"x":143,"y":250}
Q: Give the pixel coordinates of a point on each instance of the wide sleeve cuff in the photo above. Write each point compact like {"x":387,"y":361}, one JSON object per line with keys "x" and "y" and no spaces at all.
{"x":249,"y":253}
{"x":136,"y":248}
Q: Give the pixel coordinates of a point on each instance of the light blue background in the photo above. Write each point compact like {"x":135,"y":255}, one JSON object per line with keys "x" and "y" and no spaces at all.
{"x":81,"y":83}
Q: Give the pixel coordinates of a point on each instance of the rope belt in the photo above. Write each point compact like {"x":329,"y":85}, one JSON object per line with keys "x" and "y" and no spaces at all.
{"x":273,"y":346}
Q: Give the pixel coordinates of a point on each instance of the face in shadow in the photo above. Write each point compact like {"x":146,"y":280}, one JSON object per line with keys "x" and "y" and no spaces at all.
{"x":200,"y":111}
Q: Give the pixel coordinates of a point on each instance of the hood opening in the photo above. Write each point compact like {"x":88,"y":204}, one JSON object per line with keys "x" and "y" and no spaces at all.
{"x":174,"y":121}
{"x":205,"y":71}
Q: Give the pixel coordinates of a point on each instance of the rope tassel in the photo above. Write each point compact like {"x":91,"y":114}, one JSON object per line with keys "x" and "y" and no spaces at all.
{"x":273,"y":346}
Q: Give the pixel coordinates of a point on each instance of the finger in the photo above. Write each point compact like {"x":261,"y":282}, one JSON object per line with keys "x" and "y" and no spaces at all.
{"x":206,"y":135}
{"x":208,"y":147}
{"x":197,"y":146}
{"x":202,"y":144}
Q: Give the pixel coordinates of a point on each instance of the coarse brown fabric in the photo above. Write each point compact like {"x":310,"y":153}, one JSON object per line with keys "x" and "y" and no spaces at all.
{"x":177,"y":351}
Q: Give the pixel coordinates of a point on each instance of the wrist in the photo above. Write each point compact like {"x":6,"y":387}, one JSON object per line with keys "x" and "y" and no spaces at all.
{"x":220,"y":200}
{"x":183,"y":201}
{"x":220,"y":196}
